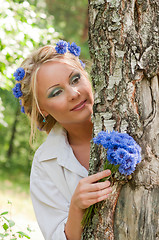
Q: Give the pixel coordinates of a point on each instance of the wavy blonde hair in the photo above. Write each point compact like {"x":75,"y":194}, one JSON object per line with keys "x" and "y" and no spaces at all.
{"x":29,"y":99}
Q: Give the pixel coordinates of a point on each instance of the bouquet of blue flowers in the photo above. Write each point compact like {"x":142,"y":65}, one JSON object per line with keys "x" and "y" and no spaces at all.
{"x":123,"y":154}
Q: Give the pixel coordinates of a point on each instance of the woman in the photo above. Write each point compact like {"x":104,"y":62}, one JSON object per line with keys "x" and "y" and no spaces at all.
{"x":56,"y":94}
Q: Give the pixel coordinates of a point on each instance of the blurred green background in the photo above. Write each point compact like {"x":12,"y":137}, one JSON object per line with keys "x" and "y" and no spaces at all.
{"x":25,"y":25}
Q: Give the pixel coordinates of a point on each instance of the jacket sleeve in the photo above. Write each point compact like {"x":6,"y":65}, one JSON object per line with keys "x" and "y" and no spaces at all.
{"x":50,"y":206}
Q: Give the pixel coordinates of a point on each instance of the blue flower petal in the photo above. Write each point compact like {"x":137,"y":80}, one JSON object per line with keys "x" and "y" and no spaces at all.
{"x":19,"y":74}
{"x":22,"y":109}
{"x":74,"y":49}
{"x":17,"y":90}
{"x":61,"y":47}
{"x":82,"y":64}
{"x":111,"y":156}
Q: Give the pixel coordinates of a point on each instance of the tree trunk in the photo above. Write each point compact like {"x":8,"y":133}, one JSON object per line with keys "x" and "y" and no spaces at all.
{"x":124,"y":46}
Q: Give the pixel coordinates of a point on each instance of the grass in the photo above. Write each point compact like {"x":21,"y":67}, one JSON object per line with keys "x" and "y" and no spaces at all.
{"x":14,"y":187}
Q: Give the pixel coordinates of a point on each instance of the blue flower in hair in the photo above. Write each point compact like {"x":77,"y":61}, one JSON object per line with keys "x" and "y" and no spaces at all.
{"x":22,"y":107}
{"x":19,"y":74}
{"x":17,"y":90}
{"x":61,"y":47}
{"x":74,"y":49}
{"x":82,"y":64}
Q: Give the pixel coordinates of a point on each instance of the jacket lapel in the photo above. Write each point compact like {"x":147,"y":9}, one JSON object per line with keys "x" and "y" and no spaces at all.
{"x":56,"y":173}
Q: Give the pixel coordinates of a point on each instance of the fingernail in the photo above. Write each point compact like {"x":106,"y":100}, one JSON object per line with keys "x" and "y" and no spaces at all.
{"x":108,"y":171}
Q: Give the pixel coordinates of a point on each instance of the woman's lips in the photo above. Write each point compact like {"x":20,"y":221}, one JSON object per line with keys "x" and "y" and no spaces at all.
{"x":79,"y":106}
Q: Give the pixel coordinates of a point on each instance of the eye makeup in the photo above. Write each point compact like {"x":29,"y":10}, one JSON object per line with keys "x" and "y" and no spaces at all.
{"x":57,"y":89}
{"x":55,"y":92}
{"x":75,"y":78}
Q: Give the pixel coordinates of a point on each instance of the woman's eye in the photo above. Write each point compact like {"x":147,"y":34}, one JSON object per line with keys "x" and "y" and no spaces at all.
{"x":75,"y":79}
{"x":55,"y":93}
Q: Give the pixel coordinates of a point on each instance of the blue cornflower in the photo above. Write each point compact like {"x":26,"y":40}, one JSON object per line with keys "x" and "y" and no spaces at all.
{"x":22,"y":107}
{"x":82,"y":64}
{"x":117,"y":140}
{"x":124,"y":136}
{"x":111,"y":156}
{"x":120,"y":155}
{"x":128,"y":165}
{"x":74,"y":49}
{"x":103,"y":138}
{"x":122,"y":150}
{"x":61,"y":47}
{"x":97,"y":140}
{"x":19,"y":74}
{"x":131,"y":149}
{"x":17,"y":90}
{"x":126,"y":171}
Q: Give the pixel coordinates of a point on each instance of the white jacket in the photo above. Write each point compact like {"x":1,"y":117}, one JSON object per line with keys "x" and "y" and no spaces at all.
{"x":54,"y":176}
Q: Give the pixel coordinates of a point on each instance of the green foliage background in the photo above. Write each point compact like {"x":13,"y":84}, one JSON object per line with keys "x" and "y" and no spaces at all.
{"x":24,"y":26}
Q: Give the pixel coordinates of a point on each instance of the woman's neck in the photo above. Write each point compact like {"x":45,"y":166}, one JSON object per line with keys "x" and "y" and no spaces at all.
{"x":79,"y":134}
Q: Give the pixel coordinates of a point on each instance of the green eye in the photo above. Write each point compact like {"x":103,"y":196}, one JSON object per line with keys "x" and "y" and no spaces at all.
{"x":75,"y":79}
{"x":55,"y":92}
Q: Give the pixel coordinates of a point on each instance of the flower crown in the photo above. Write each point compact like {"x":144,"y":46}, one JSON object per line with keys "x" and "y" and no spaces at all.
{"x":61,"y":48}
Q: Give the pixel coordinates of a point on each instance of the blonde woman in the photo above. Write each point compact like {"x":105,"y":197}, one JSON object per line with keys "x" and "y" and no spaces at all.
{"x":57,"y":96}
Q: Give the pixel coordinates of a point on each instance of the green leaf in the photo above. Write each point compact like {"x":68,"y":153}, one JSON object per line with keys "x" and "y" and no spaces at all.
{"x":22,"y":234}
{"x":4,"y":213}
{"x":5,"y":226}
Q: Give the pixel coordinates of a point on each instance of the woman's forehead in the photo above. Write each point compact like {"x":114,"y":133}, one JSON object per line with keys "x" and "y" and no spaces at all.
{"x":56,"y":67}
{"x":51,"y":71}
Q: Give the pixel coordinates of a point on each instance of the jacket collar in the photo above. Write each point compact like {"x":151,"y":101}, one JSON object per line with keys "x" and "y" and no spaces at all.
{"x":51,"y":147}
{"x":57,"y":146}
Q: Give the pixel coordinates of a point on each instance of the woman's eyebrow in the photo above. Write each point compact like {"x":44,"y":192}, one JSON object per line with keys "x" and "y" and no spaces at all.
{"x":53,"y":86}
{"x":71,"y":73}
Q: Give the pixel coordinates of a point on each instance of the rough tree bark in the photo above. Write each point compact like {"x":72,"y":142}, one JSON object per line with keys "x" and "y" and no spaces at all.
{"x":124,"y":46}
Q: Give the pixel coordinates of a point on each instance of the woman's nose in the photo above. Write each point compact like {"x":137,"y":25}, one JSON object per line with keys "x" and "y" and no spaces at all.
{"x":73,"y":93}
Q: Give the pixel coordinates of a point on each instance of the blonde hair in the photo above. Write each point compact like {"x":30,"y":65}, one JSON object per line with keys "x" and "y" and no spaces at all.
{"x":29,"y":99}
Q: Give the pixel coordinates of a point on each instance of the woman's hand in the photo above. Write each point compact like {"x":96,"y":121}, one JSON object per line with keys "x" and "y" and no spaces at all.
{"x":89,"y":191}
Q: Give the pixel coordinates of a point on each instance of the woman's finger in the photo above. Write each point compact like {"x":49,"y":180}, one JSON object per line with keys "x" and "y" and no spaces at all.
{"x":97,"y":176}
{"x":98,"y":194}
{"x":99,"y":186}
{"x":98,"y":199}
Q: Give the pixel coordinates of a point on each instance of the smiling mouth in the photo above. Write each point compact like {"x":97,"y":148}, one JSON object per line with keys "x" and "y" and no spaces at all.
{"x":79,"y":106}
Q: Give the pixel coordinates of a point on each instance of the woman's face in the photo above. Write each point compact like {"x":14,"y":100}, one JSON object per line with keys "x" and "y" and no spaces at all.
{"x":64,"y":93}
